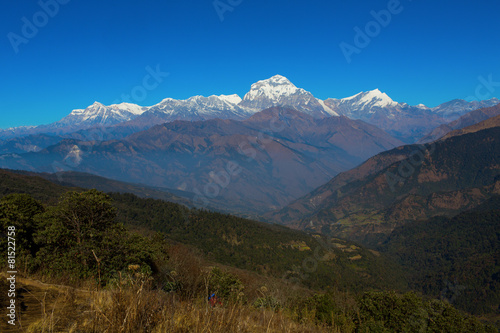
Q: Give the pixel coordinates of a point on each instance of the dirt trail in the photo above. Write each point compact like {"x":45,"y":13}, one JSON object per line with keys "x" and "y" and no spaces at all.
{"x":36,"y":301}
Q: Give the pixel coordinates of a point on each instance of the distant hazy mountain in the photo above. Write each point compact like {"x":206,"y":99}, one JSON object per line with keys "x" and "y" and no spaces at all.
{"x":30,"y":143}
{"x":193,"y":109}
{"x":98,"y":114}
{"x":94,"y":115}
{"x":100,"y":122}
{"x":458,"y":107}
{"x":276,"y":91}
{"x":468,"y":119}
{"x":363,"y":104}
{"x":404,"y":184}
{"x":278,"y":154}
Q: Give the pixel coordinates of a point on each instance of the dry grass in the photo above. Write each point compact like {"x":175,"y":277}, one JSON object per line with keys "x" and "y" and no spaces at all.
{"x":136,"y":303}
{"x":165,"y":314}
{"x":133,"y":307}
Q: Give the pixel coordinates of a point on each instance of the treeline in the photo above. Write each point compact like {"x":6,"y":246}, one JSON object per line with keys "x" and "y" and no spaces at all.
{"x":78,"y":237}
{"x":264,"y":248}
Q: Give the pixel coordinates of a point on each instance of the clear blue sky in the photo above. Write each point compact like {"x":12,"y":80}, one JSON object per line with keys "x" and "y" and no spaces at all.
{"x":430,"y":52}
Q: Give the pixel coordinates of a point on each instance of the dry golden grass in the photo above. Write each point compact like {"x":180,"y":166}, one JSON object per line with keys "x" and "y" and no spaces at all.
{"x":132,"y":306}
{"x":135,"y":304}
{"x":42,"y":307}
{"x":149,"y":311}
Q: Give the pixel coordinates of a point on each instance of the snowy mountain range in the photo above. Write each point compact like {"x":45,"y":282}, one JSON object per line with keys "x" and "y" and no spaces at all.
{"x":98,"y":113}
{"x":401,"y":120}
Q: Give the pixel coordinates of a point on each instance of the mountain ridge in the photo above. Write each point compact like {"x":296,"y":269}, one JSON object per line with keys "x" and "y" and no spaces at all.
{"x":401,"y":120}
{"x":280,"y":154}
{"x":466,"y":120}
{"x":451,"y":174}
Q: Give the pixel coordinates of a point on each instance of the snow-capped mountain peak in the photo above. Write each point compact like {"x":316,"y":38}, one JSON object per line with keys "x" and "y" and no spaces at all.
{"x":230,"y":99}
{"x":365,"y":104}
{"x":372,"y":98}
{"x":274,"y":89}
{"x":279,"y":91}
{"x":100,"y":114}
{"x":374,"y":106}
{"x":132,"y":108}
{"x":233,"y":99}
{"x":199,"y":108}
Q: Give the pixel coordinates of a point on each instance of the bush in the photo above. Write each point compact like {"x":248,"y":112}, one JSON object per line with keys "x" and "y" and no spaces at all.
{"x":267,"y":302}
{"x":332,"y":309}
{"x":225,"y":286}
{"x":390,"y":312}
{"x":184,"y":273}
{"x":78,"y":238}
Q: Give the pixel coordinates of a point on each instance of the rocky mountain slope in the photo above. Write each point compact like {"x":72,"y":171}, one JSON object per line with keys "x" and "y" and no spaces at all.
{"x":405,"y":184}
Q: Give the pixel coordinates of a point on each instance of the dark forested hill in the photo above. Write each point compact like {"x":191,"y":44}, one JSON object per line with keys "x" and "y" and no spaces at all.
{"x":455,"y":258}
{"x":41,"y":189}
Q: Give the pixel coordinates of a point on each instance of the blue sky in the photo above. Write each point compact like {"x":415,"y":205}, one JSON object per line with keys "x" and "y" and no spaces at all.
{"x":430,"y":52}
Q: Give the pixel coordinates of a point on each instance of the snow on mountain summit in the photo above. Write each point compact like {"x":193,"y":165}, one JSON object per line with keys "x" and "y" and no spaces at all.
{"x":100,"y":114}
{"x":234,"y":99}
{"x":273,"y":89}
{"x":197,"y":108}
{"x":130,"y":107}
{"x":374,"y":107}
{"x":365,"y":104}
{"x":279,"y":91}
{"x":371,"y":98}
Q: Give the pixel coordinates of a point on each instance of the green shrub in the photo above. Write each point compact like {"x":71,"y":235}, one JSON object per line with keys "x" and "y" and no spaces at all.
{"x":225,"y":286}
{"x":381,"y":311}
{"x":267,"y":302}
